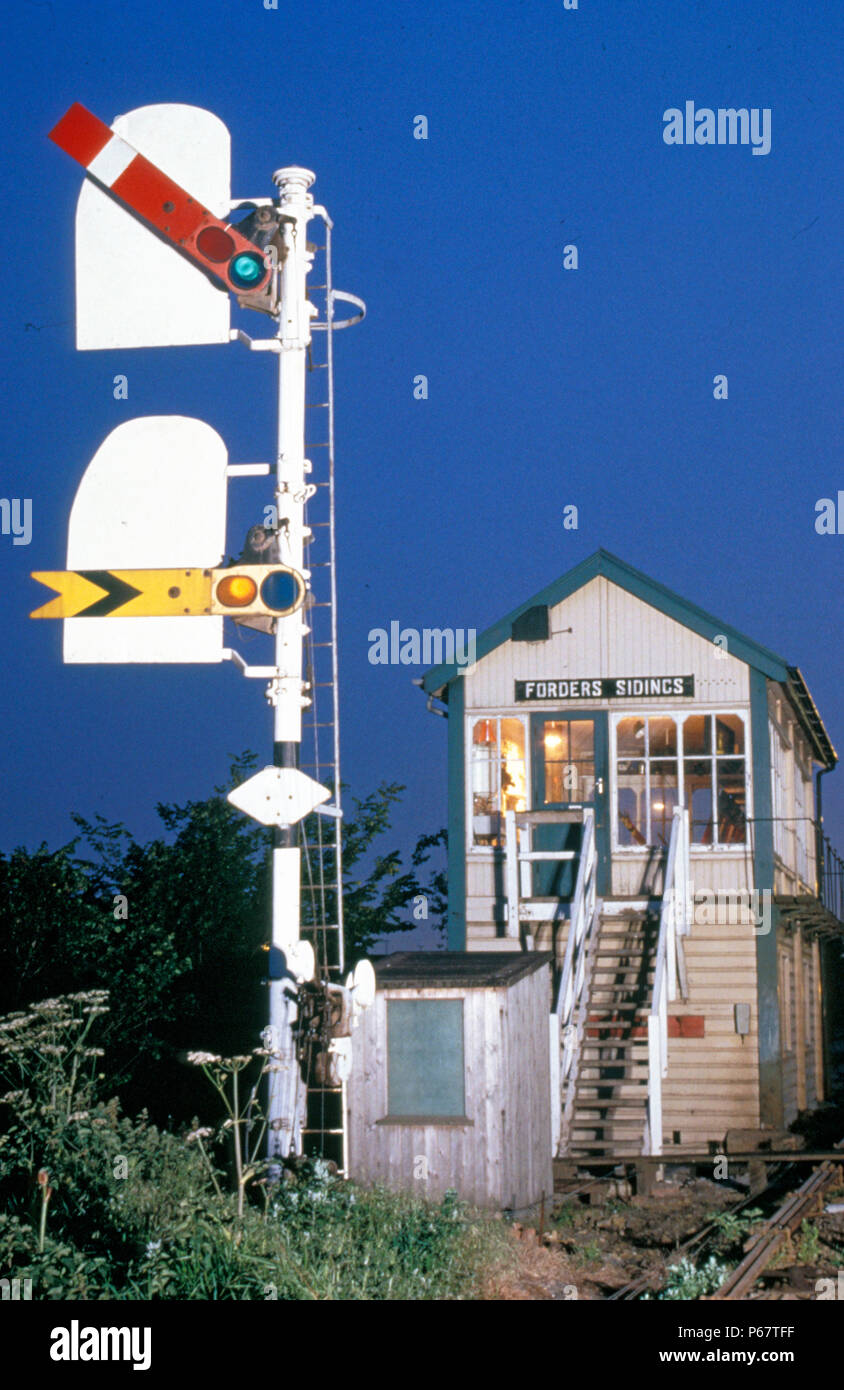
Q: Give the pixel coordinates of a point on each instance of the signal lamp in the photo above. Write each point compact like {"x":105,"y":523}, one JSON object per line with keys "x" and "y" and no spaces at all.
{"x":237,"y":591}
{"x":247,"y":270}
{"x":280,"y":591}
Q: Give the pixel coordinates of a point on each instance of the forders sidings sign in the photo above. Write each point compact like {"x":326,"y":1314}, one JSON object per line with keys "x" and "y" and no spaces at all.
{"x":606,"y":688}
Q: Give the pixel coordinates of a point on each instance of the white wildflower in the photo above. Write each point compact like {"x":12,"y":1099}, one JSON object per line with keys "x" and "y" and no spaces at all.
{"x":204,"y":1133}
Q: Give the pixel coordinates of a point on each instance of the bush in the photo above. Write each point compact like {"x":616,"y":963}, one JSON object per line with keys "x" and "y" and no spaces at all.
{"x":99,"y":1206}
{"x":688,"y":1281}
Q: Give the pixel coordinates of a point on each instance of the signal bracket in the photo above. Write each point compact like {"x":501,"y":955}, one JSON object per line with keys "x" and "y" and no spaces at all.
{"x":237,"y":335}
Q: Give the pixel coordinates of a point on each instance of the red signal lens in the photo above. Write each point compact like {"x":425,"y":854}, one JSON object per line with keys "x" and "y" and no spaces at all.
{"x":215,"y":244}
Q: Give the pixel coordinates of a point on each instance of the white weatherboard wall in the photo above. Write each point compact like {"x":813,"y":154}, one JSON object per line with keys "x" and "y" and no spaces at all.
{"x":713,"y":1081}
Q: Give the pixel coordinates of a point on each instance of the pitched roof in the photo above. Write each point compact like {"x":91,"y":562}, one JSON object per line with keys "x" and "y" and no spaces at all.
{"x":609,"y":567}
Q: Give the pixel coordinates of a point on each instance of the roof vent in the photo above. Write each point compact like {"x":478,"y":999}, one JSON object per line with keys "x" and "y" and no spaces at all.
{"x":532,"y":625}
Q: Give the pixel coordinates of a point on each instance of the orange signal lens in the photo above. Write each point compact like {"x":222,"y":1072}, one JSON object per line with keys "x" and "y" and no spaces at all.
{"x":237,"y":591}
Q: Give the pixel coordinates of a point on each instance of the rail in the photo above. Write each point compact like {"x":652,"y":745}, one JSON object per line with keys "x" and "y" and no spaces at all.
{"x":830,"y":876}
{"x":669,"y":967}
{"x":569,"y":1017}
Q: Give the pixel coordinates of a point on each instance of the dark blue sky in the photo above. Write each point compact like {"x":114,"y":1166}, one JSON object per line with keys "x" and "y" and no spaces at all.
{"x":547,"y":387}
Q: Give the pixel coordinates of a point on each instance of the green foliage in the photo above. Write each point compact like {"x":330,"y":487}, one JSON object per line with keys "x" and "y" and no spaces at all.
{"x":185,"y":966}
{"x":809,"y":1244}
{"x":688,"y":1281}
{"x":134,"y":1212}
{"x":378,"y":892}
{"x":731,"y":1228}
{"x":565,"y":1217}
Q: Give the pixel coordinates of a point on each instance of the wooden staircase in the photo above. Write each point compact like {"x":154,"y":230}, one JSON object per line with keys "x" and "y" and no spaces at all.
{"x":611,"y":1091}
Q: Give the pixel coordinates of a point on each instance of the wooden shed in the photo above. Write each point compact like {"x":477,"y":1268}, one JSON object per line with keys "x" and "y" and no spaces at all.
{"x":450,"y":1086}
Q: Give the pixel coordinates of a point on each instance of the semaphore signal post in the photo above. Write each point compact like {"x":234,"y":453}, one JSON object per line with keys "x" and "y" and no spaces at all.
{"x":155,"y":211}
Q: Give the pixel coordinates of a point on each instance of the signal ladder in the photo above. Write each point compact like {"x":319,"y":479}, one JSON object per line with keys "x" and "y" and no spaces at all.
{"x":320,"y":838}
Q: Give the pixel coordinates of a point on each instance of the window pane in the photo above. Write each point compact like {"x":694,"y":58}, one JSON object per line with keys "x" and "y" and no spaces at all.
{"x":697,"y":734}
{"x":729,"y":734}
{"x":569,"y":761}
{"x":630,"y":736}
{"x":632,"y":821}
{"x":582,"y":739}
{"x":569,"y":782}
{"x":513,"y":787}
{"x":662,"y":738}
{"x":425,"y":1057}
{"x":582,"y":777}
{"x":664,"y":797}
{"x":556,"y":740}
{"x":731,"y":801}
{"x":698,"y":773}
{"x":484,"y":774}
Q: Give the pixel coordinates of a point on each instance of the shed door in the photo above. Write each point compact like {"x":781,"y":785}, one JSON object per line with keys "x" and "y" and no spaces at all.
{"x":570,"y":770}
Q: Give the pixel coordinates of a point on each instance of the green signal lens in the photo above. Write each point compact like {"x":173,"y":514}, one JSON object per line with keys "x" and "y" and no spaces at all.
{"x":246,"y":270}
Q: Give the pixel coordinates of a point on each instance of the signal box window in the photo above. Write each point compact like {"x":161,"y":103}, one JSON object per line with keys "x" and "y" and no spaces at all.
{"x":713,"y":745}
{"x":498,"y":779}
{"x":658,"y":760}
{"x":646,"y":779}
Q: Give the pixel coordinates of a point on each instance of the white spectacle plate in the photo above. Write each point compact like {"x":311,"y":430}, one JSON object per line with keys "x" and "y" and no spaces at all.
{"x":279,"y":796}
{"x":133,"y":289}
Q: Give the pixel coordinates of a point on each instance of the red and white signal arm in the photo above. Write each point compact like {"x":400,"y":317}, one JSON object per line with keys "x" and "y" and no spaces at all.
{"x":169,"y":166}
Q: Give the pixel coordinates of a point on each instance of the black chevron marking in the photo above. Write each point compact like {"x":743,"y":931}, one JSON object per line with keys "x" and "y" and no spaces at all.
{"x":117,"y":593}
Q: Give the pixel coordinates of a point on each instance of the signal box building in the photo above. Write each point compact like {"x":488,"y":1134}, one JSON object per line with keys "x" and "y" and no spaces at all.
{"x":634,"y":786}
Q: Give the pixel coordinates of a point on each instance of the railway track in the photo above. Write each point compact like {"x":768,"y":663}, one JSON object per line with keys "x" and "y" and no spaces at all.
{"x":805,"y":1202}
{"x":796,"y":1207}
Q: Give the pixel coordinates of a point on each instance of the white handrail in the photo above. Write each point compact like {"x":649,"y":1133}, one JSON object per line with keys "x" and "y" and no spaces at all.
{"x":674,"y":920}
{"x":567,"y":1035}
{"x":567,"y":1020}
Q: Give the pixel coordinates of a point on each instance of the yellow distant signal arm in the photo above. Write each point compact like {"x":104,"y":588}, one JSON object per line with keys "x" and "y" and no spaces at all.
{"x":239,"y":591}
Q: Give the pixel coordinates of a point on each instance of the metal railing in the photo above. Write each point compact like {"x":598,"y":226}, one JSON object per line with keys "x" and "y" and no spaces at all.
{"x":674,"y":919}
{"x":830,"y":876}
{"x":569,"y":1017}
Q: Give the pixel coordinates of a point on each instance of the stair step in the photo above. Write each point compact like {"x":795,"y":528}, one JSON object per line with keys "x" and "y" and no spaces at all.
{"x":611,"y":1010}
{"x":621,"y":1089}
{"x":598,"y":1147}
{"x":600,"y":1079}
{"x":633,"y":1138}
{"x":621,"y":1108}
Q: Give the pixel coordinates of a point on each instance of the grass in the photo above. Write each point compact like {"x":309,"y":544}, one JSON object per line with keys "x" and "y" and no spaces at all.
{"x":94,"y":1205}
